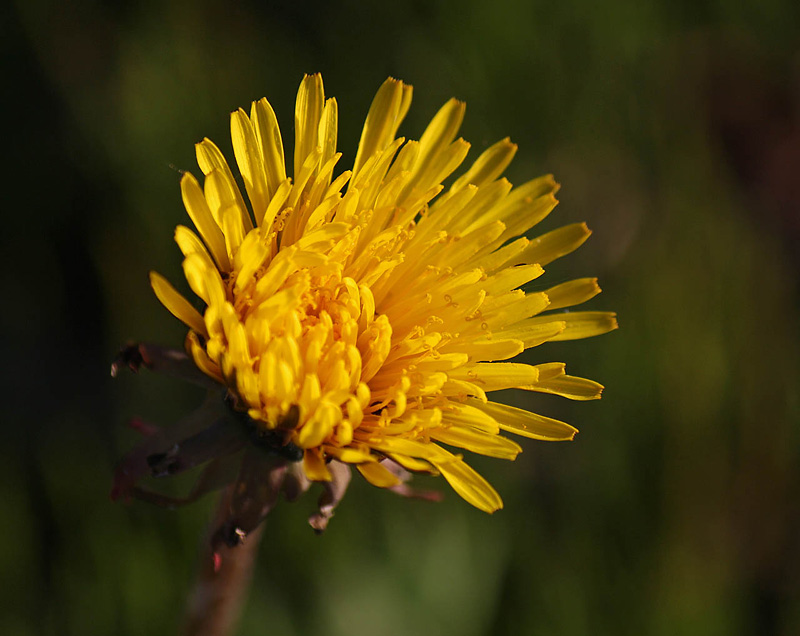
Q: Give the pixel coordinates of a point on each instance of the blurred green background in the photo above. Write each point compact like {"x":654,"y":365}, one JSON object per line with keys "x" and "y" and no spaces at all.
{"x":674,"y":128}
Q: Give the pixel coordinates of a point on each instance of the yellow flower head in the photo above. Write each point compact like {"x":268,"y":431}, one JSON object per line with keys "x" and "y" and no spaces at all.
{"x":364,"y":317}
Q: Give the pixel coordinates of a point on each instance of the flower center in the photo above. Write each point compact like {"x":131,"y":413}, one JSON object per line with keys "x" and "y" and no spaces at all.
{"x":300,"y":335}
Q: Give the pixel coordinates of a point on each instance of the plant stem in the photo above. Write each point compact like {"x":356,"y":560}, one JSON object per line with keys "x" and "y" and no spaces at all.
{"x":216,"y":602}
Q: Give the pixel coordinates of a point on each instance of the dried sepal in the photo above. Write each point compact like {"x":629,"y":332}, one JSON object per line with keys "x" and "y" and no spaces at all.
{"x":172,"y":362}
{"x":332,"y":494}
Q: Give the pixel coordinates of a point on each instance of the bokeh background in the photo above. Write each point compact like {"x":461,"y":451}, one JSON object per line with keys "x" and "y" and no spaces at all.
{"x":674,"y":128}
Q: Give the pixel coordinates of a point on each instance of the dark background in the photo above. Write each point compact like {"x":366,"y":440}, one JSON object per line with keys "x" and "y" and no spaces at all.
{"x":674,"y":128}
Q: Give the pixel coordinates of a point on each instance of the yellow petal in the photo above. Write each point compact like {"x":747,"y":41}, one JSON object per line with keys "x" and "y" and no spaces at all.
{"x":477,"y":441}
{"x":247,"y":386}
{"x":469,"y":484}
{"x":277,"y":203}
{"x":196,"y":206}
{"x":314,"y":465}
{"x":301,"y":179}
{"x":348,"y":455}
{"x":555,"y":244}
{"x":428,"y":385}
{"x":467,"y":416}
{"x":511,"y":278}
{"x":253,"y":254}
{"x":322,"y":213}
{"x":194,"y":271}
{"x":570,"y":387}
{"x":307,"y":114}
{"x":550,"y":370}
{"x":527,"y":424}
{"x":500,"y":258}
{"x":525,"y":206}
{"x":494,"y":376}
{"x":319,"y":425}
{"x":527,"y":306}
{"x":371,"y":180}
{"x":268,"y":134}
{"x":385,"y":114}
{"x":210,"y":158}
{"x":317,"y":239}
{"x":488,"y":166}
{"x":412,"y":463}
{"x":479,"y":210}
{"x":462,"y":389}
{"x":442,"y":215}
{"x":572,"y":293}
{"x":201,"y":359}
{"x":234,"y":232}
{"x":444,"y":164}
{"x":407,"y":447}
{"x":378,"y":475}
{"x":437,"y":152}
{"x":177,"y":305}
{"x":190,"y":243}
{"x":328,"y":132}
{"x":533,"y":334}
{"x":248,"y":156}
{"x":272,"y":279}
{"x":441,"y":131}
{"x":491,"y":350}
{"x":472,"y":241}
{"x":579,"y":324}
{"x":221,"y":194}
{"x":374,"y":344}
{"x":405,"y":160}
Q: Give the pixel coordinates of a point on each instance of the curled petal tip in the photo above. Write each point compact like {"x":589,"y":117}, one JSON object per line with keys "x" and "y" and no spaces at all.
{"x":318,"y":522}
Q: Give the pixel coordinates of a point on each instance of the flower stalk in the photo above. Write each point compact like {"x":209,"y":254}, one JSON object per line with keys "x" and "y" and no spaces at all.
{"x":223,"y":579}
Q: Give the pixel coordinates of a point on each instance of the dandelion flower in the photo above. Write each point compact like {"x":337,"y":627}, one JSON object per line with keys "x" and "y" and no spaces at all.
{"x":365,"y":318}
